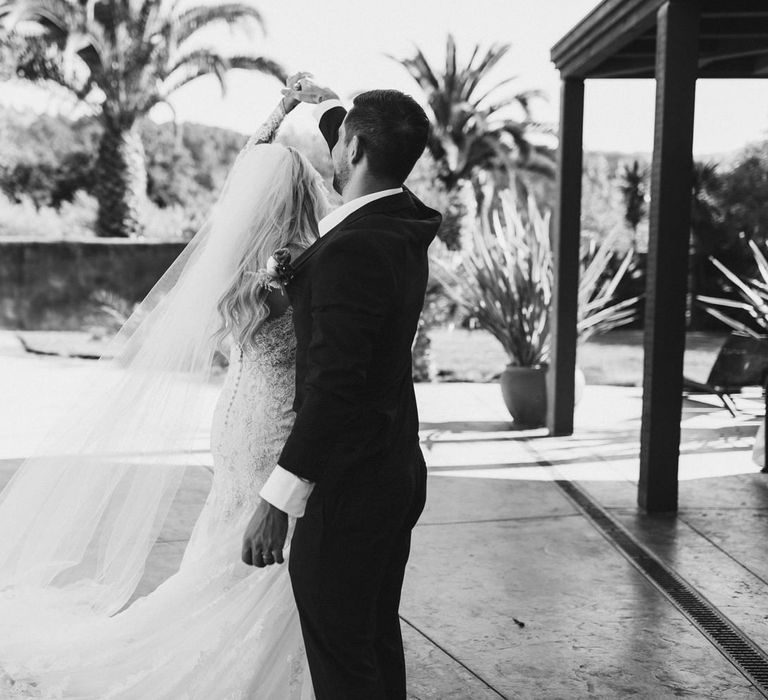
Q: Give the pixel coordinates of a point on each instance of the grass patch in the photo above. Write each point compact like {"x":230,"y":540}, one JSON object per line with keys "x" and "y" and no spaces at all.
{"x":615,"y":358}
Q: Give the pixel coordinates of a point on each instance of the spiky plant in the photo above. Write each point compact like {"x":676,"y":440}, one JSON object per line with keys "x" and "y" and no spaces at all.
{"x":123,"y":57}
{"x":598,"y":310}
{"x":753,"y":292}
{"x":504,"y":280}
{"x":474,"y":128}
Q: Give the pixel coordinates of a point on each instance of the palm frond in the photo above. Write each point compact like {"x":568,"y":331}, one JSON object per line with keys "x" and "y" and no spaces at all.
{"x":259,"y":64}
{"x":468,"y":135}
{"x":475,"y":75}
{"x":129,"y":49}
{"x":55,"y":16}
{"x":232,"y":14}
{"x":198,"y":62}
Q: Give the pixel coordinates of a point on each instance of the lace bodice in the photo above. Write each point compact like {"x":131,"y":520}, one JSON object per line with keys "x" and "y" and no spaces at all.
{"x":254,"y":416}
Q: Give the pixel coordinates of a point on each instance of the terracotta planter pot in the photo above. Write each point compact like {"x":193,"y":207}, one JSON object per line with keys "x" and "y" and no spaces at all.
{"x":525,"y":394}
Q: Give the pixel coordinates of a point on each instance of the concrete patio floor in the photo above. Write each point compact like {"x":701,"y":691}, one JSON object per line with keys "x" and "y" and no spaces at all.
{"x":512,"y":592}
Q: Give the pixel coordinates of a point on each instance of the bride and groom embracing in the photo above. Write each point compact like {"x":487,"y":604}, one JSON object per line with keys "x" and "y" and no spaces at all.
{"x":314,"y":440}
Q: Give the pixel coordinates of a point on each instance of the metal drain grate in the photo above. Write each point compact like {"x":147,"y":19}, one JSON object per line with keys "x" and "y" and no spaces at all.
{"x":739,"y":649}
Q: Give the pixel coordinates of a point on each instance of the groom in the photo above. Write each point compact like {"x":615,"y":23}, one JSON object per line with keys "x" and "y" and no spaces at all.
{"x":351,"y":470}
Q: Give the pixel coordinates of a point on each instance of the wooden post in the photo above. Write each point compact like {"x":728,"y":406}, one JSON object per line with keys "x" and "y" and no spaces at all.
{"x":566,"y":243}
{"x":670,"y":216}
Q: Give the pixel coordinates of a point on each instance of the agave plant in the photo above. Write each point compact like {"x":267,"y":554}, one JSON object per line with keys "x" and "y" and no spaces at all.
{"x":504,"y":280}
{"x":598,"y":312}
{"x":473,"y":128}
{"x":123,"y":57}
{"x":754,"y":294}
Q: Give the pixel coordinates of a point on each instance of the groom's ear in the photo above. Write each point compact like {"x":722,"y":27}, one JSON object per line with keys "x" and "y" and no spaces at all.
{"x":355,"y":149}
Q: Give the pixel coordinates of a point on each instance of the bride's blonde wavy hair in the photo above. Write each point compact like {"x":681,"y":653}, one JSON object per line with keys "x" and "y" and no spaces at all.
{"x":287,"y":219}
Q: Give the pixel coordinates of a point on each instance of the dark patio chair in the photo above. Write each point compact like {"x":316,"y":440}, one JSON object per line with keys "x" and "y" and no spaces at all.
{"x":741,"y":362}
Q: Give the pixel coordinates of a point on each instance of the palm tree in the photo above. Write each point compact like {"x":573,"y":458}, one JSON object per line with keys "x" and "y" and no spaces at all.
{"x":633,"y":189}
{"x":124,"y":57}
{"x":472,"y":128}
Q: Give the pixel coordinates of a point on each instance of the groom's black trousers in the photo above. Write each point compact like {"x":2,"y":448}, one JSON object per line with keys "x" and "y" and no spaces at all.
{"x":347,"y":563}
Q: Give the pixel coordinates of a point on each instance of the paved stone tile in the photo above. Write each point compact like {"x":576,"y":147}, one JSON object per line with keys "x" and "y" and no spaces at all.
{"x":724,"y":581}
{"x":434,"y":675}
{"x":743,"y":533}
{"x":593,"y":626}
{"x":452,"y":499}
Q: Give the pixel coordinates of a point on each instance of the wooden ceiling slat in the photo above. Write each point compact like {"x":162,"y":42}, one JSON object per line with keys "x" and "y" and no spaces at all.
{"x":733,"y":8}
{"x":739,"y":26}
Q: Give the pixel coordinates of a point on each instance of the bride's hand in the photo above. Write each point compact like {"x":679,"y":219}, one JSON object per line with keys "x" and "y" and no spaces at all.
{"x":302,"y":88}
{"x":265,"y":535}
{"x":291,"y":85}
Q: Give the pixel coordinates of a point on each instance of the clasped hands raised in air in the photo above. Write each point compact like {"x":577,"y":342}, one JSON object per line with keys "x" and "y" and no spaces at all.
{"x":301,"y":87}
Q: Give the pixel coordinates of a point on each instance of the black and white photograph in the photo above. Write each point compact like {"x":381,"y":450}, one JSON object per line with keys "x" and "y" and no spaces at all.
{"x":383,"y":350}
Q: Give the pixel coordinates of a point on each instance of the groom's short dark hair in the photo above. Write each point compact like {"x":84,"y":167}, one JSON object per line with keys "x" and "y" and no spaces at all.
{"x":392,"y":129}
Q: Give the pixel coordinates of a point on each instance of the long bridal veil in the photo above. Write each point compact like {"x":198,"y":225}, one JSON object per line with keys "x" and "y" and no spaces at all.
{"x":80,"y":516}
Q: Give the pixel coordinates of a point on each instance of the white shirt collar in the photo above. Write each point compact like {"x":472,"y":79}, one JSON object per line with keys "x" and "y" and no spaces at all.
{"x":338,"y":215}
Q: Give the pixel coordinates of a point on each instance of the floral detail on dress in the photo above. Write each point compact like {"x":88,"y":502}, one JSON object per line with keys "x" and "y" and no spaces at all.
{"x":278,"y":271}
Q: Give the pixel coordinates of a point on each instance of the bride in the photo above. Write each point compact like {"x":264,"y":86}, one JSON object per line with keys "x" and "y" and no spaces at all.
{"x":80,"y":518}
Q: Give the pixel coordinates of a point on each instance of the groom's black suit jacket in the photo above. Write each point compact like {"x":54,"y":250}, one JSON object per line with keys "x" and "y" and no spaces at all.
{"x":357,"y":295}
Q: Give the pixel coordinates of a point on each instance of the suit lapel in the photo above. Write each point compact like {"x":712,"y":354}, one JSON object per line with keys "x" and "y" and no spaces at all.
{"x":312,"y":250}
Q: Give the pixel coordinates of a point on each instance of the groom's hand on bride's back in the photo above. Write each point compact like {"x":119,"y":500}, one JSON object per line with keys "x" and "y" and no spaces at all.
{"x":265,"y":535}
{"x":300,"y":87}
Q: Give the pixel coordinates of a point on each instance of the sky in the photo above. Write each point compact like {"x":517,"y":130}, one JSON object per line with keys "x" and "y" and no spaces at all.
{"x":345,"y":42}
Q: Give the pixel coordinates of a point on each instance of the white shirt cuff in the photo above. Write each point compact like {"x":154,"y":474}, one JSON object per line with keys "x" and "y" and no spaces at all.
{"x":324,"y":106}
{"x":287,"y":491}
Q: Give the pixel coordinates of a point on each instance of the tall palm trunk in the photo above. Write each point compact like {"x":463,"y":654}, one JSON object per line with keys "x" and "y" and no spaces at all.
{"x":459,"y":214}
{"x":122,"y":180}
{"x":423,"y":366}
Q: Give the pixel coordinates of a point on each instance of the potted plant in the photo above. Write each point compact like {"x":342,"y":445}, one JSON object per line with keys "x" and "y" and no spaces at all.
{"x":504,"y":279}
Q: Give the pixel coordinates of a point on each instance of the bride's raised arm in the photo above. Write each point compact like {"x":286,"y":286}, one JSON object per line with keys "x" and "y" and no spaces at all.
{"x":267,"y":132}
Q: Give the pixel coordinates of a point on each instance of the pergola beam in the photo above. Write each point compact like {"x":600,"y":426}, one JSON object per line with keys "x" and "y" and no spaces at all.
{"x":761,"y":66}
{"x":634,"y":63}
{"x":669,"y":226}
{"x":609,"y":27}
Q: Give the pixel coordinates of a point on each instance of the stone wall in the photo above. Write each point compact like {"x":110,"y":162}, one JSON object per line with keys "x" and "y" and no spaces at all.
{"x":48,"y":285}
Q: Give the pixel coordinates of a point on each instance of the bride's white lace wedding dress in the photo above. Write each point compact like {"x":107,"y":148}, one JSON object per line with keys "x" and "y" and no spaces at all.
{"x":217,"y":629}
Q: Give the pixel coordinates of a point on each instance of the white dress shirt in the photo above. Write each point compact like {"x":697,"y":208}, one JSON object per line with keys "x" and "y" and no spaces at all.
{"x":283,"y":489}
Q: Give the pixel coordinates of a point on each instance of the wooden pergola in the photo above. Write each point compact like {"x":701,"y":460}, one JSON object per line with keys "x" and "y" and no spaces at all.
{"x":675,"y":41}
